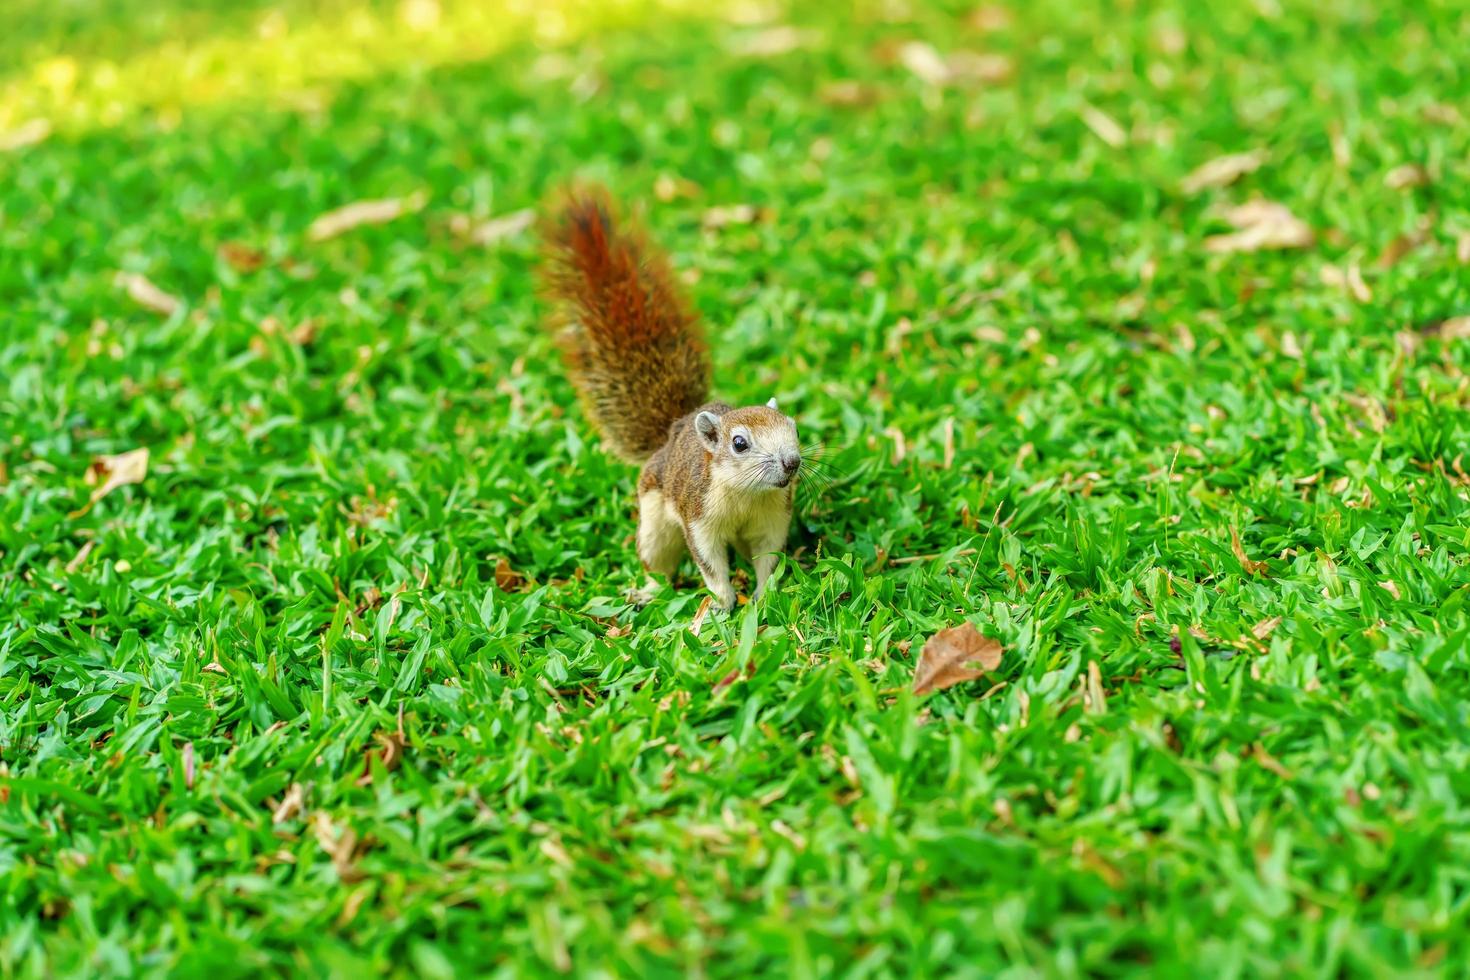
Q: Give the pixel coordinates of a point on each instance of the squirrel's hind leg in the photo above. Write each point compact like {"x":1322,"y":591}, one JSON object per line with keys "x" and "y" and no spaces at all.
{"x":660,"y":541}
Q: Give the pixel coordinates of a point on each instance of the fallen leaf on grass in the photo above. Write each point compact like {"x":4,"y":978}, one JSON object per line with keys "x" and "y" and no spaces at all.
{"x":925,"y":62}
{"x":340,"y":845}
{"x":26,"y":134}
{"x":497,"y":229}
{"x":1401,"y":246}
{"x":1265,"y":627}
{"x":1262,"y":225}
{"x":342,"y":220}
{"x":1455,"y":328}
{"x":241,"y":257}
{"x":700,"y":615}
{"x":1391,"y":587}
{"x":507,"y":578}
{"x":1350,"y":280}
{"x":848,"y":93}
{"x":668,"y":188}
{"x":974,"y":65}
{"x":726,"y":681}
{"x":143,"y":292}
{"x":1096,"y":700}
{"x":989,"y":18}
{"x":188,"y":765}
{"x":389,"y":752}
{"x":111,"y":472}
{"x":290,"y":805}
{"x":770,"y":42}
{"x":953,"y":656}
{"x":1251,"y":566}
{"x":1222,"y":171}
{"x":80,"y":556}
{"x":732,"y":214}
{"x":1104,"y":126}
{"x":1270,"y":763}
{"x":933,"y":68}
{"x":1405,"y":176}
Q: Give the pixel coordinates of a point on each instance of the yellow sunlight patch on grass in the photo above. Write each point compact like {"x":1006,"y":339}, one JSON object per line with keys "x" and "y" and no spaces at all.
{"x":296,"y":57}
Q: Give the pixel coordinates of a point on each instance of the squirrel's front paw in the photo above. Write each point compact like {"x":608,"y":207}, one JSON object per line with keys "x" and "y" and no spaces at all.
{"x":725,"y":600}
{"x":642,"y":597}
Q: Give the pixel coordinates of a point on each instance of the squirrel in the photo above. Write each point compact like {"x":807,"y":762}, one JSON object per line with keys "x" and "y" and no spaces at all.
{"x":714,"y":477}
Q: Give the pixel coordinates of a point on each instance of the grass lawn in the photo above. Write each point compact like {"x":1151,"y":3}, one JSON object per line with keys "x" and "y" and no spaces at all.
{"x":347,"y":682}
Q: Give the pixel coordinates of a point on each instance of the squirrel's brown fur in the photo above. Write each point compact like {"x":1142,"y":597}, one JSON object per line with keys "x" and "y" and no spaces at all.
{"x":714,"y":477}
{"x":634,"y":348}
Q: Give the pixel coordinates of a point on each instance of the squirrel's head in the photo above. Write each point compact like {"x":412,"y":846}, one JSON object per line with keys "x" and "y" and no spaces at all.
{"x":751,"y":448}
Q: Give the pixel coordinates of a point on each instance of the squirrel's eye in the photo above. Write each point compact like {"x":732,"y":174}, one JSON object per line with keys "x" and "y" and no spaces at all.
{"x":740,"y":444}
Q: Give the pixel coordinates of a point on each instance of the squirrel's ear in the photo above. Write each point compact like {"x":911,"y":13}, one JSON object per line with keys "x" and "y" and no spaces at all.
{"x":772,"y":405}
{"x":707,"y":424}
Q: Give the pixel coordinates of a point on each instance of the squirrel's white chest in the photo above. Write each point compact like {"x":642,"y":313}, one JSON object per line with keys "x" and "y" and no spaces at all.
{"x":741,"y":518}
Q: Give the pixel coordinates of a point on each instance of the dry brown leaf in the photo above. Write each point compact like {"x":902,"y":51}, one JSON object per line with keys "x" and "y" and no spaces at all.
{"x":500,"y":228}
{"x":1269,"y":762}
{"x":1290,"y":346}
{"x":1462,"y":249}
{"x":1097,"y":701}
{"x":1262,"y":225}
{"x":924,"y":62}
{"x":1455,"y":328}
{"x":848,"y":93}
{"x":342,"y":220}
{"x":732,"y":214}
{"x":242,"y":257}
{"x":1401,"y":246}
{"x":80,"y":556}
{"x":990,"y":18}
{"x":553,"y":850}
{"x":980,"y":67}
{"x":507,"y":578}
{"x":1251,"y":566}
{"x":1104,"y":126}
{"x":340,"y":845}
{"x":953,"y":656}
{"x":773,"y":41}
{"x":143,"y":292}
{"x":1265,"y":627}
{"x":1351,"y":281}
{"x":726,"y":681}
{"x":1222,"y":171}
{"x":669,"y":187}
{"x":1391,"y":587}
{"x":389,"y":751}
{"x":111,"y":472}
{"x":1407,"y":175}
{"x":700,"y":615}
{"x":290,"y":804}
{"x":26,"y":134}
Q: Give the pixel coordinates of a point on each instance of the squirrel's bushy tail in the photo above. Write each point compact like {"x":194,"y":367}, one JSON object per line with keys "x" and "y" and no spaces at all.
{"x":633,"y":346}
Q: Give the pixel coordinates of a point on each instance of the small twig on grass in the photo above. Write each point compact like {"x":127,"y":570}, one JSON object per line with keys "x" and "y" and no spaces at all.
{"x":911,"y":559}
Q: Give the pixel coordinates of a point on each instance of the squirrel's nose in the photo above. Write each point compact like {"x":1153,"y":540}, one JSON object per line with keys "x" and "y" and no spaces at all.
{"x":790,"y":462}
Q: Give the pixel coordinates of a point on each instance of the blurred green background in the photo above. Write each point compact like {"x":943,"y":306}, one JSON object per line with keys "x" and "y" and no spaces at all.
{"x":346,"y":681}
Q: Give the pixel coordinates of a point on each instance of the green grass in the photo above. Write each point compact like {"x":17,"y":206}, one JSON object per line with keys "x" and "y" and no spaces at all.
{"x":1276,"y":779}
